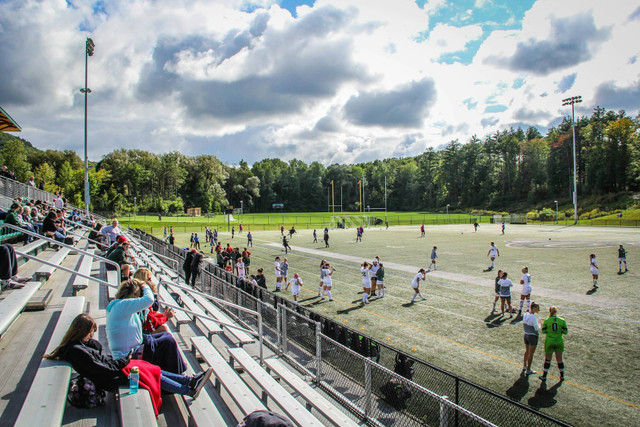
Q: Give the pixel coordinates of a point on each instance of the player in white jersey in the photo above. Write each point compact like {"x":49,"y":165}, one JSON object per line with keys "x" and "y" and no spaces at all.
{"x":365,"y":271}
{"x":374,"y":266}
{"x":531,"y":326}
{"x":493,"y":254}
{"x":593,"y":265}
{"x":320,"y":286}
{"x":278,"y":272}
{"x":328,"y":281}
{"x":525,"y":281}
{"x":240,"y":268}
{"x":415,"y":284}
{"x":295,"y":283}
{"x":434,"y":255}
{"x":505,"y":293}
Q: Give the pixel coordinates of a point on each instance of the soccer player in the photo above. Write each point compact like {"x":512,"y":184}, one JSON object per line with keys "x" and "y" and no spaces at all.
{"x":295,"y":286}
{"x":328,"y":281}
{"x":593,"y":265}
{"x":531,"y":326}
{"x":622,"y":257}
{"x":240,"y":268}
{"x":415,"y":284}
{"x":502,"y":227}
{"x":475,"y":226}
{"x":326,"y":238}
{"x":525,"y":281}
{"x":497,"y":290}
{"x":358,"y":235}
{"x":554,"y":328}
{"x":374,"y":275}
{"x":365,"y":271}
{"x":278,"y":272}
{"x":315,"y":236}
{"x":284,"y":269}
{"x":282,"y":230}
{"x":285,"y":243}
{"x":380,"y":280}
{"x":249,"y":239}
{"x":233,"y":232}
{"x":493,"y":254}
{"x":505,"y":293}
{"x":322,"y":263}
{"x":434,"y":255}
{"x":422,"y":230}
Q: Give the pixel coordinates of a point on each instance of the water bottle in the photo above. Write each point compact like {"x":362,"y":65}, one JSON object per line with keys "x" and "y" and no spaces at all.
{"x":134,"y":379}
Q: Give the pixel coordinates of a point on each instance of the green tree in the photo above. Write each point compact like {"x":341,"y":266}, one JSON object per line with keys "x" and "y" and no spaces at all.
{"x":14,"y":157}
{"x":45,"y":173}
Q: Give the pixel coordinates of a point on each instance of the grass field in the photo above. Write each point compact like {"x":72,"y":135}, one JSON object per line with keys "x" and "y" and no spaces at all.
{"x":454,"y":327}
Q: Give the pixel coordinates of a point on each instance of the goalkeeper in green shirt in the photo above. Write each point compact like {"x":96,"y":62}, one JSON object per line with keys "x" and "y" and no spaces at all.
{"x":554,"y":328}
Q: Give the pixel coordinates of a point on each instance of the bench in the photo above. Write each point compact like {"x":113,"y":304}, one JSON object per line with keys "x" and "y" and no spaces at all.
{"x":7,"y":233}
{"x":210,"y":327}
{"x":45,"y":402}
{"x":180,"y":317}
{"x":213,"y":311}
{"x":13,"y":304}
{"x":32,"y":248}
{"x":227,"y":377}
{"x":136,"y":410}
{"x":309,"y":394}
{"x":80,"y":283}
{"x":45,"y":271}
{"x":270,"y":387}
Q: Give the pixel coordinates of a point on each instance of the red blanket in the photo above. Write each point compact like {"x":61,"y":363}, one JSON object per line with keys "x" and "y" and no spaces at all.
{"x":149,"y":379}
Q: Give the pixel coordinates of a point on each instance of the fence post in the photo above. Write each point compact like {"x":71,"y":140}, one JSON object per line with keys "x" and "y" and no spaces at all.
{"x":444,"y":412}
{"x":284,"y":328}
{"x":318,"y":351}
{"x":367,"y":388}
{"x":279,"y":327}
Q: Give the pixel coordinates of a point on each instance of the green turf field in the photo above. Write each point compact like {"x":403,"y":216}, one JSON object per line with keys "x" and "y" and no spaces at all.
{"x":454,"y":327}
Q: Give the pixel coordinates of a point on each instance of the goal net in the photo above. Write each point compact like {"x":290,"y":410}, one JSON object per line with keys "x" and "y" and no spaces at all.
{"x":349,"y":221}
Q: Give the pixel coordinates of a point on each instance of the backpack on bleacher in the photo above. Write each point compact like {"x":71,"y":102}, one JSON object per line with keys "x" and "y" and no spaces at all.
{"x":84,"y":394}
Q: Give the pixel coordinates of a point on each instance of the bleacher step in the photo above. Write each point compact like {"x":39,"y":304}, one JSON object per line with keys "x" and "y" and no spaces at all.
{"x":39,"y":300}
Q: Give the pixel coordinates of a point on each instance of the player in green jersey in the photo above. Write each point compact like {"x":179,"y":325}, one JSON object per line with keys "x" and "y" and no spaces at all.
{"x":554,"y":328}
{"x":622,"y":257}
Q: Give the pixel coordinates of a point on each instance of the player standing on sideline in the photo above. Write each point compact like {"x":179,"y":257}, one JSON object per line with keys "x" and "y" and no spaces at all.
{"x":374,"y":267}
{"x":422,"y":230}
{"x":278,"y":272}
{"x":380,"y":280}
{"x":328,"y":281}
{"x":322,"y":263}
{"x":497,"y":290}
{"x":415,"y":284}
{"x":365,"y":270}
{"x":434,"y":255}
{"x":493,"y":254}
{"x":240,"y":268}
{"x":249,"y":239}
{"x":531,"y":326}
{"x":593,"y":265}
{"x":505,"y":293}
{"x":285,"y":243}
{"x":525,"y":281}
{"x":295,"y":287}
{"x":284,"y":268}
{"x":555,"y":328}
{"x":315,"y":236}
{"x":502,"y":227}
{"x":326,"y":238}
{"x":622,"y":257}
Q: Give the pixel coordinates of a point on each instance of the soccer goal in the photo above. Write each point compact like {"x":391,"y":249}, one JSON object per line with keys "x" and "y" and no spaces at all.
{"x":349,"y":221}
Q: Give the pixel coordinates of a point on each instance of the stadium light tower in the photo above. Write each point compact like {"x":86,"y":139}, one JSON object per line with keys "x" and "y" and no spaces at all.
{"x":89,"y":48}
{"x":572,"y":101}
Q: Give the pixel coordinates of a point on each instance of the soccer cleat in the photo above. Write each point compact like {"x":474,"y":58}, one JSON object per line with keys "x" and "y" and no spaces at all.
{"x":531,"y":372}
{"x":424,"y":299}
{"x":543,"y":377}
{"x":561,"y":377}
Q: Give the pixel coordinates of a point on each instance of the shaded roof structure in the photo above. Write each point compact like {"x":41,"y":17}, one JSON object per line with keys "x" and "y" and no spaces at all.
{"x":7,"y":124}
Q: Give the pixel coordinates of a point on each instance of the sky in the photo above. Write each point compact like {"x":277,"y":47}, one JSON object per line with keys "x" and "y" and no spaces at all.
{"x":334,"y":81}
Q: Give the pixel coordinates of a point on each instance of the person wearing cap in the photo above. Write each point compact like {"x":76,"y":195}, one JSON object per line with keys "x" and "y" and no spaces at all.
{"x":119,"y":256}
{"x":295,"y":283}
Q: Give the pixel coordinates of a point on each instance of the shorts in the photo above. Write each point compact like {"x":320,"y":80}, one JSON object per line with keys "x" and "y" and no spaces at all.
{"x":367,"y":285}
{"x":295,"y":290}
{"x":415,"y":286}
{"x":622,"y":259}
{"x":553,"y":346}
{"x":531,"y":339}
{"x":526,"y":291}
{"x":505,"y":295}
{"x":327,"y":284}
{"x":278,"y":275}
{"x":380,"y":282}
{"x":594,"y":270}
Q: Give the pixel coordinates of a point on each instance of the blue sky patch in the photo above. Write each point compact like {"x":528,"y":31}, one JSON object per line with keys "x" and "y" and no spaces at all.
{"x":497,"y":108}
{"x":291,"y":5}
{"x":518,"y":83}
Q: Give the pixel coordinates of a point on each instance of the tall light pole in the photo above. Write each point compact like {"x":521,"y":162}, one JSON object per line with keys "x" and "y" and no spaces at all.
{"x":89,"y":47}
{"x":572,"y":101}
{"x":447,"y":213}
{"x":556,"y":202}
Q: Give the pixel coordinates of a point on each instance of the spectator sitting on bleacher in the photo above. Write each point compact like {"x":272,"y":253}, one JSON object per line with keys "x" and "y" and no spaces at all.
{"x":97,"y":236}
{"x":119,"y":255}
{"x":50,"y":229}
{"x":112,"y":231}
{"x":154,"y":321}
{"x":108,"y":373}
{"x":58,"y":201}
{"x":124,"y":329}
{"x":27,"y":217}
{"x":9,"y":268}
{"x":14,"y":217}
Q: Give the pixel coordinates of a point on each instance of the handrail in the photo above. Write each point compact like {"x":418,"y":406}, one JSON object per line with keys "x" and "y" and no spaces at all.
{"x":158,"y":254}
{"x":64,"y":245}
{"x":68,"y":270}
{"x":230,"y":325}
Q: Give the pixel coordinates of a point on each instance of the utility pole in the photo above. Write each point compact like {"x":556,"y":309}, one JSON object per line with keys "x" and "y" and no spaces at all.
{"x":572,"y":101}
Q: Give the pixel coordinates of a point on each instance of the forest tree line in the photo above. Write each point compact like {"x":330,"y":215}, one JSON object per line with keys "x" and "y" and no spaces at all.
{"x":508,"y":168}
